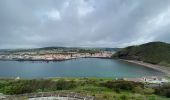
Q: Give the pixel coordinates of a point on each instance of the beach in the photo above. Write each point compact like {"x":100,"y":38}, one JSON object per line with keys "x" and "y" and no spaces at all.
{"x":163,"y":69}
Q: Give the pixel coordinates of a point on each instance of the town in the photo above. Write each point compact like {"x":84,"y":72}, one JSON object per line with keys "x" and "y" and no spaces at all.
{"x":53,"y":55}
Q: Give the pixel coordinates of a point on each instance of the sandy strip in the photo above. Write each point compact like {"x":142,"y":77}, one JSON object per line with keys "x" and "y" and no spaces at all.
{"x":163,"y":69}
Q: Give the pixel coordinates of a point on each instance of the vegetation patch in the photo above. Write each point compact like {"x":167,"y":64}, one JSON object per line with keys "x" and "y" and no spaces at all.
{"x":153,"y":52}
{"x":100,"y":88}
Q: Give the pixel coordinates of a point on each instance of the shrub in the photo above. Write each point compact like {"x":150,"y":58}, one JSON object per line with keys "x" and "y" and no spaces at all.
{"x":163,"y":90}
{"x":138,"y":89}
{"x":18,"y":88}
{"x":123,"y":97}
{"x":148,"y":91}
{"x":122,"y":85}
{"x":64,"y":85}
{"x":28,"y":86}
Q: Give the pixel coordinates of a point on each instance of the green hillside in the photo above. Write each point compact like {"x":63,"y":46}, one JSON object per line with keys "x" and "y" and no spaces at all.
{"x":153,"y":52}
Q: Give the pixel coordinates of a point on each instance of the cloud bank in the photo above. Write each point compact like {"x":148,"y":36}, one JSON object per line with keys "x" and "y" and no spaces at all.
{"x":83,"y":23}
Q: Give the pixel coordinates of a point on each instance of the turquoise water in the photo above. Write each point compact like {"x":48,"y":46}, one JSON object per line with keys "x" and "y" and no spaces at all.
{"x":83,"y":67}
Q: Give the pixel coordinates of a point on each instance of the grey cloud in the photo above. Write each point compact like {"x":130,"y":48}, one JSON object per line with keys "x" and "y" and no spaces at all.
{"x":93,"y":23}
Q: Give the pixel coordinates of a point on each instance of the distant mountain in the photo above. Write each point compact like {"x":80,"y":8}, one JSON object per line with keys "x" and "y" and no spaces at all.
{"x":63,"y":49}
{"x":111,"y":49}
{"x":153,"y":52}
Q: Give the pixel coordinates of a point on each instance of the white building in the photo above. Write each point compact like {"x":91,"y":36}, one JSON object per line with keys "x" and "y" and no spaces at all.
{"x":154,"y":79}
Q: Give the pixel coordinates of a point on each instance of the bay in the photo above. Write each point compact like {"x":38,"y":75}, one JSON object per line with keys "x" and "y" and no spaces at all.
{"x":82,"y":67}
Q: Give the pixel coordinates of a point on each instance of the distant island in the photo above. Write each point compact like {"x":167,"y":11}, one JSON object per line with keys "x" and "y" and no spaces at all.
{"x":154,"y":54}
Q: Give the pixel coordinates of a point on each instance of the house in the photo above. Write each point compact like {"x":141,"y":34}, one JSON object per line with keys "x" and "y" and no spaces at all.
{"x":154,"y":79}
{"x":149,"y":79}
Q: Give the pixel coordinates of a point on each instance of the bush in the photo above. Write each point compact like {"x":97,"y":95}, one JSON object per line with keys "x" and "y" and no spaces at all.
{"x":122,"y":85}
{"x":17,"y":88}
{"x":28,"y":86}
{"x":163,"y":90}
{"x":148,"y":91}
{"x":152,"y":97}
{"x":138,"y":89}
{"x":65,"y":85}
{"x":168,"y":93}
{"x":123,"y":97}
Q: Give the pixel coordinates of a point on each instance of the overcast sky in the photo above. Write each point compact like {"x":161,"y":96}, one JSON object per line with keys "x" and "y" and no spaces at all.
{"x":83,"y":23}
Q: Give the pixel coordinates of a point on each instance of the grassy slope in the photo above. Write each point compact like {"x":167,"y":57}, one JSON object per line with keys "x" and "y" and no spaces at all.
{"x":153,"y":52}
{"x":90,"y":86}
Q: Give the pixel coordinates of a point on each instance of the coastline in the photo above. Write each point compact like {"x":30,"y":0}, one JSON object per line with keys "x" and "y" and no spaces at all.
{"x":163,"y":69}
{"x":50,"y":60}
